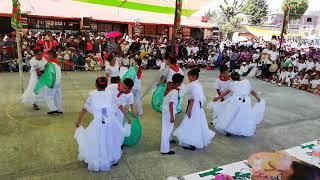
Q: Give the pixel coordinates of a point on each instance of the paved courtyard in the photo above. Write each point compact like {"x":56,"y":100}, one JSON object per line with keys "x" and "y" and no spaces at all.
{"x":36,"y":146}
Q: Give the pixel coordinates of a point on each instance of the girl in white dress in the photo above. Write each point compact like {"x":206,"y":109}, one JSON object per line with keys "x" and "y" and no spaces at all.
{"x":100,"y":143}
{"x":37,"y":64}
{"x":195,"y":120}
{"x":236,"y":116}
{"x":112,"y":70}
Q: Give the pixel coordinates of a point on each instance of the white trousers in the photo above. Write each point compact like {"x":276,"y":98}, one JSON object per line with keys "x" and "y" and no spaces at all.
{"x":137,"y":97}
{"x":167,"y":128}
{"x":55,"y":98}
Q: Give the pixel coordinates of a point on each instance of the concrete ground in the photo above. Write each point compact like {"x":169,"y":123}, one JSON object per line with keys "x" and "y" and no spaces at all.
{"x":36,"y":146}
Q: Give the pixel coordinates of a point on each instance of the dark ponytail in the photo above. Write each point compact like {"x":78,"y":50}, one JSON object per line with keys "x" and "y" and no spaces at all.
{"x":235,"y":76}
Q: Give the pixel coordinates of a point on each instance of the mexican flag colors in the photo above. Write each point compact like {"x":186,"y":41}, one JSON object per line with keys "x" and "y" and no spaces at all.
{"x":16,"y":15}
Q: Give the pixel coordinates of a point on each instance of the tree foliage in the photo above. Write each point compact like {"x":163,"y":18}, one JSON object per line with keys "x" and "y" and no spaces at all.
{"x":295,"y":8}
{"x":226,"y":17}
{"x":231,"y":8}
{"x":255,"y":10}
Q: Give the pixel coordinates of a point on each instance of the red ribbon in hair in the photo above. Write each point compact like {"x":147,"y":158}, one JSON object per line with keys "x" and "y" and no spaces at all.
{"x":170,"y":87}
{"x":223,"y":79}
{"x":175,"y":67}
{"x":101,"y":82}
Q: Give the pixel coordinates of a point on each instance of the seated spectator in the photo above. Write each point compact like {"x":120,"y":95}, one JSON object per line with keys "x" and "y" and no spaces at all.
{"x":315,"y":83}
{"x":5,"y":60}
{"x":244,"y":69}
{"x":310,"y":64}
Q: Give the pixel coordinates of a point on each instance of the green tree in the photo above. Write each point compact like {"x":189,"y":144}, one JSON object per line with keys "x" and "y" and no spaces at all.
{"x":295,"y":8}
{"x":255,"y":10}
{"x":292,"y":9}
{"x":227,"y":16}
{"x":231,"y":8}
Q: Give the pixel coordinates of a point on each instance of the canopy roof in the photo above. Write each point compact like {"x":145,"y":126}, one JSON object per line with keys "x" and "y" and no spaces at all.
{"x":259,"y":32}
{"x":146,"y":11}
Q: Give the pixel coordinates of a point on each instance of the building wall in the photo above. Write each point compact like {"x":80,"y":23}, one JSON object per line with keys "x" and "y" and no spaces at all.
{"x":302,"y":25}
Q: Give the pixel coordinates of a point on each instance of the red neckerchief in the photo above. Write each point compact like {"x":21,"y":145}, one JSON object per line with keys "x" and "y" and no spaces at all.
{"x":139,"y":74}
{"x":170,"y":87}
{"x":119,"y":94}
{"x":223,"y":79}
{"x":54,"y":60}
{"x":175,"y":67}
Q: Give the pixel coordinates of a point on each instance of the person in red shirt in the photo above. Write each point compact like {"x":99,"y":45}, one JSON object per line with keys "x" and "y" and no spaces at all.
{"x":89,"y":46}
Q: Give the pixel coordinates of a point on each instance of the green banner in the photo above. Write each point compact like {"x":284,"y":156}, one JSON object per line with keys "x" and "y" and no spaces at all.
{"x":139,"y":6}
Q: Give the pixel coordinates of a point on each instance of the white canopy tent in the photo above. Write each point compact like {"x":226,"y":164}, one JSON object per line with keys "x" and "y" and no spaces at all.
{"x":77,"y":9}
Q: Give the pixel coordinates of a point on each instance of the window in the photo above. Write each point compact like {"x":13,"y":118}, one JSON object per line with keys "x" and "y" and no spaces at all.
{"x":35,"y":23}
{"x":49,"y":24}
{"x":71,"y":25}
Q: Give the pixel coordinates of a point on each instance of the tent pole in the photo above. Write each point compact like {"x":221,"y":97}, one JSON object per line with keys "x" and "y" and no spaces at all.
{"x":18,"y":40}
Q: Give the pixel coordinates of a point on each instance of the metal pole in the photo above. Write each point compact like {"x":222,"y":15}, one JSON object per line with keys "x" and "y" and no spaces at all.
{"x":18,"y":40}
{"x":284,"y":24}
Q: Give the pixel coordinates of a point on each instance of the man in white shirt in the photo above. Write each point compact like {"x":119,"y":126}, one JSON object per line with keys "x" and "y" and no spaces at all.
{"x":54,"y":94}
{"x":121,"y":97}
{"x":310,"y":64}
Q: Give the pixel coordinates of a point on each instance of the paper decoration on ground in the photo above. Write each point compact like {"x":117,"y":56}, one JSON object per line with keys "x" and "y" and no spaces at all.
{"x":241,"y":171}
{"x":303,"y":153}
{"x":238,"y":170}
{"x":136,"y":131}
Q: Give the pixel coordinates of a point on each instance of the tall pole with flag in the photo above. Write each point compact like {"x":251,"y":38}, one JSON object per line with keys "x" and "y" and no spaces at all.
{"x":15,"y":23}
{"x":177,"y":20}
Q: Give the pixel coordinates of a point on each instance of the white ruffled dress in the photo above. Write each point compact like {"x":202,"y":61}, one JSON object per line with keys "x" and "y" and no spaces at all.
{"x":194,"y":130}
{"x":236,"y":115}
{"x":100,"y":143}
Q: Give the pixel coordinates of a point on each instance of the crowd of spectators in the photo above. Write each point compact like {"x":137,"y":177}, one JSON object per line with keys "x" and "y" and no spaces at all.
{"x":295,"y":64}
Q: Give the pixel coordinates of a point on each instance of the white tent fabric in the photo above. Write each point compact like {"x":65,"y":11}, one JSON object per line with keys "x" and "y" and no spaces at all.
{"x":187,"y":4}
{"x":74,"y":9}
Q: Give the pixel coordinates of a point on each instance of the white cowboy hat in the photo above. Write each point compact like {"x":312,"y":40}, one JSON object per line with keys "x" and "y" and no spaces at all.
{"x":163,"y":46}
{"x":144,"y":41}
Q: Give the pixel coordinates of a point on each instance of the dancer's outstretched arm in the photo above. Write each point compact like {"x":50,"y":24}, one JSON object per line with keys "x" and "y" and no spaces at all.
{"x":81,"y":116}
{"x":254,"y":94}
{"x":221,"y":96}
{"x":125,"y":113}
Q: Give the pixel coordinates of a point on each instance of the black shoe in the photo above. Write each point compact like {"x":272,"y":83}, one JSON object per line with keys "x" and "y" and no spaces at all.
{"x":191,"y":148}
{"x":228,"y":134}
{"x":169,"y":153}
{"x":36,"y":107}
{"x":59,"y":112}
{"x":173,"y":141}
{"x":115,"y":164}
{"x":52,"y":112}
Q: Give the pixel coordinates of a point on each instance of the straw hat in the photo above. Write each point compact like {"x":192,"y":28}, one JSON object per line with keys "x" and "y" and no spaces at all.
{"x":273,"y":68}
{"x":47,"y":38}
{"x":163,"y":46}
{"x":72,"y":48}
{"x":144,"y":41}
